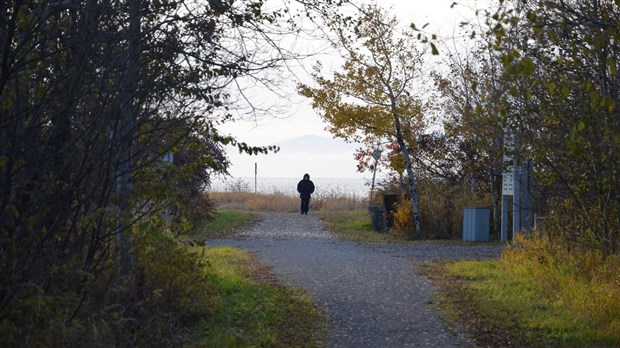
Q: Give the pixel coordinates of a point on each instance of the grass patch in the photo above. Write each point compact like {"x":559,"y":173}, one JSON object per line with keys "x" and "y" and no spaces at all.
{"x":285,"y":203}
{"x":249,"y":201}
{"x":254,"y":310}
{"x":225,"y":223}
{"x":501,"y":307}
{"x":354,"y":225}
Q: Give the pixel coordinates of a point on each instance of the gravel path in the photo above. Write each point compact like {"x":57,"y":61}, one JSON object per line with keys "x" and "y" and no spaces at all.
{"x":372,"y":294}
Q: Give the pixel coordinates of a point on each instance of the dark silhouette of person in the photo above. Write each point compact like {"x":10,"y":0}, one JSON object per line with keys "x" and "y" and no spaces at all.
{"x":305,"y":187}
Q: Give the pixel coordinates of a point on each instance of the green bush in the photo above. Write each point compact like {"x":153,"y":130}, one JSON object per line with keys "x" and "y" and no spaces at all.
{"x":173,"y":288}
{"x":170,"y":290}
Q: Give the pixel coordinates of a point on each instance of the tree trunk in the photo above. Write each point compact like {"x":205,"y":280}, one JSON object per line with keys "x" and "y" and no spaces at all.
{"x":412,"y":188}
{"x":124,"y":256}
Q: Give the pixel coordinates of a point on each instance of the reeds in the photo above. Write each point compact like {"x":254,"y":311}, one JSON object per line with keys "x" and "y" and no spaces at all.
{"x":333,"y":200}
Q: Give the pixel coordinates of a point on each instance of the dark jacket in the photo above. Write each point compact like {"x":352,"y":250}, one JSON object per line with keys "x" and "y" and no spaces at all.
{"x":305,"y":188}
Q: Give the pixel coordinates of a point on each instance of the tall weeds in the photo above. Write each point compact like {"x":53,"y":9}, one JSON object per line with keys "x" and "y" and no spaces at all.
{"x":336,"y":200}
{"x":281,"y":202}
{"x":586,"y":282}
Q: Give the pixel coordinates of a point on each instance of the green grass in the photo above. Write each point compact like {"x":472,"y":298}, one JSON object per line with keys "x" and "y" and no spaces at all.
{"x":491,"y":298}
{"x":254,"y":310}
{"x":226,"y":223}
{"x":354,"y":225}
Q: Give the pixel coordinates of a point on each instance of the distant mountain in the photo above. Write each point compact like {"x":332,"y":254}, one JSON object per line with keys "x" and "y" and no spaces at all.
{"x":320,"y":156}
{"x":317,"y":144}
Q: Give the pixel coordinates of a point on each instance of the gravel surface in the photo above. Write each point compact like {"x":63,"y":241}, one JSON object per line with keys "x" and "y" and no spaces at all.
{"x":372,"y":294}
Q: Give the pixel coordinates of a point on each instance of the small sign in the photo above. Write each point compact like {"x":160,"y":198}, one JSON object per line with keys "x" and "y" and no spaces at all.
{"x":509,"y":142}
{"x":507,"y":183}
{"x":508,"y":175}
{"x":376,"y":154}
{"x":169,"y":157}
{"x":398,"y":164}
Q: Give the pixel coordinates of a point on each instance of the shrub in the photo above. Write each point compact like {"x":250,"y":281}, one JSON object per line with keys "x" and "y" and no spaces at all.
{"x":170,"y":290}
{"x":238,"y":185}
{"x":172,"y":287}
{"x":580,"y":227}
{"x":441,"y":209}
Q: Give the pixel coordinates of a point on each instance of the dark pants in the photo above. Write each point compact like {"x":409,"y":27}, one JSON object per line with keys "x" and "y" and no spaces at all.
{"x":305,"y":204}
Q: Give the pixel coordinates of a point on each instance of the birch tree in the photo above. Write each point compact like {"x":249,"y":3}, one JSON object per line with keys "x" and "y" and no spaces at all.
{"x":376,"y":93}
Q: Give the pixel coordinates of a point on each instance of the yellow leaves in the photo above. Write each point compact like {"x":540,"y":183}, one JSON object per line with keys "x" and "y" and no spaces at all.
{"x":581,"y":126}
{"x":613,"y":68}
{"x":551,"y":87}
{"x":506,"y":59}
{"x":7,"y":102}
{"x":528,"y":65}
{"x":611,"y":106}
{"x":369,"y":90}
{"x":575,"y":143}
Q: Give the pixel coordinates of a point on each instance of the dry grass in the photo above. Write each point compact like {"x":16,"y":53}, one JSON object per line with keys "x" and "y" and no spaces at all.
{"x":585,"y":282}
{"x":280,"y":202}
{"x":538,"y":294}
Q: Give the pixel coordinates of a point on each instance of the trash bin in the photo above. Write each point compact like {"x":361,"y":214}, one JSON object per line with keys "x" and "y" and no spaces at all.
{"x":377,"y":213}
{"x":476,"y":224}
{"x":390,"y":200}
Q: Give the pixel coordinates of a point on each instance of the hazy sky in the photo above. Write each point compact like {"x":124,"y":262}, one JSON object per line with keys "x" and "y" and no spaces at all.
{"x":298,"y":119}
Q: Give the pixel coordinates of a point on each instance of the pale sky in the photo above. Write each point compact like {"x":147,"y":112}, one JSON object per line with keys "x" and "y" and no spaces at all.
{"x":297,"y":118}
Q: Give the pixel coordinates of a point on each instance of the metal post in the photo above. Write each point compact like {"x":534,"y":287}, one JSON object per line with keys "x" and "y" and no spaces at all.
{"x":526,"y":197}
{"x":255,"y":177}
{"x":508,"y":181}
{"x":504,"y":231}
{"x":168,"y":158}
{"x":516,"y":200}
{"x":376,"y":154}
{"x":372,"y":185}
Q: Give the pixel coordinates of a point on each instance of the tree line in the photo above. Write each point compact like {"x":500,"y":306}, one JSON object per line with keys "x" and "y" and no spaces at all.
{"x":539,"y":74}
{"x":94,"y":96}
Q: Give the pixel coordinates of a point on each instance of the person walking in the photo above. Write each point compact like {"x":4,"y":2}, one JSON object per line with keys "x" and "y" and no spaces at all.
{"x":305,"y":187}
